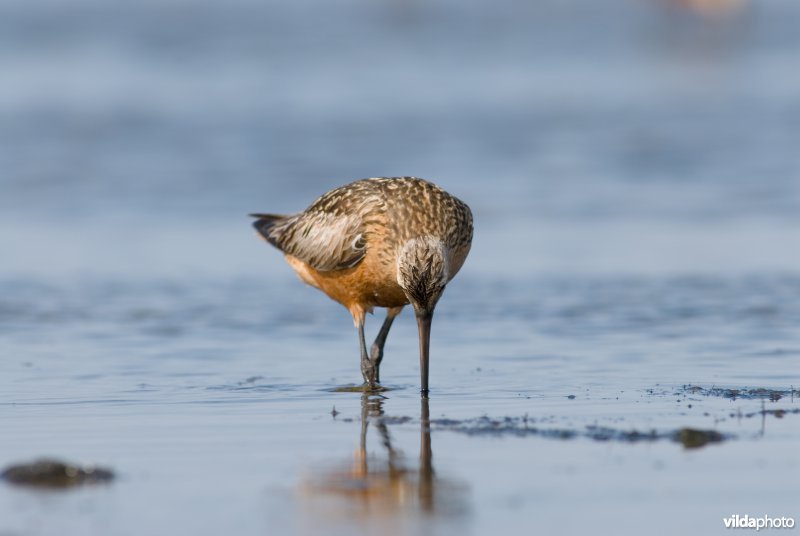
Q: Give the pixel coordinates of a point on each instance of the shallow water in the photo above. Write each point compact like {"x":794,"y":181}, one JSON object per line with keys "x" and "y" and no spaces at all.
{"x":219,"y":412}
{"x":633,"y":174}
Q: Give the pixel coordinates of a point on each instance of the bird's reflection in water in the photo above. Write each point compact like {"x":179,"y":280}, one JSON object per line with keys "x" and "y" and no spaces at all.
{"x":382,"y":486}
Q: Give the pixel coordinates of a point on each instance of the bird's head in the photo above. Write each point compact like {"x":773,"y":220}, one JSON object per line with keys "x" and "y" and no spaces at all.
{"x":423,"y":272}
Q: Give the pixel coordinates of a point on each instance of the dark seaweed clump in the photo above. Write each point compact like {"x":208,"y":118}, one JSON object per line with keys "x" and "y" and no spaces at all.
{"x":745,"y":393}
{"x":49,"y":473}
{"x":522,"y":427}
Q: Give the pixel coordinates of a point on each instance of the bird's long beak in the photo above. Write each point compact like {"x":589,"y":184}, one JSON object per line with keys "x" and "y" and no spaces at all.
{"x":424,"y":325}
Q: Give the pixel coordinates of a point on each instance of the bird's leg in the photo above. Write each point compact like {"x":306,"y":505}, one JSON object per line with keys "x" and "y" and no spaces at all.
{"x":376,"y":352}
{"x":367,"y":366}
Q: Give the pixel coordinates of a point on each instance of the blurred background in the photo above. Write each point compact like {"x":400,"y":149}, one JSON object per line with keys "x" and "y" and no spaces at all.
{"x":642,"y":136}
{"x":634,"y":173}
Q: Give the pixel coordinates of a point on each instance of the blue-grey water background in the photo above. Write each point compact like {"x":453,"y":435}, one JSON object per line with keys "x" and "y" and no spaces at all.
{"x":634,"y":173}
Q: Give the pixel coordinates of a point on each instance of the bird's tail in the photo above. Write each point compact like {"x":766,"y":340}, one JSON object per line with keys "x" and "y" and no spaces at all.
{"x":269,"y":226}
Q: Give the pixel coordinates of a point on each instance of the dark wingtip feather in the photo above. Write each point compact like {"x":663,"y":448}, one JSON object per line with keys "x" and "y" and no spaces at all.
{"x":264,"y":225}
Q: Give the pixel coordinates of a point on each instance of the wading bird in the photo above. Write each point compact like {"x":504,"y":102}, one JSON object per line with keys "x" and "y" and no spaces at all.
{"x":380,"y":242}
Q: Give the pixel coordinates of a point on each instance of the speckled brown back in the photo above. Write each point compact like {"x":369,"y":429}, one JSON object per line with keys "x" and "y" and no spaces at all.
{"x":336,"y":230}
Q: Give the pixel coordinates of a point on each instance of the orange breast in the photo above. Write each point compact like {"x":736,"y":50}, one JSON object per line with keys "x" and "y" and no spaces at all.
{"x":368,"y":284}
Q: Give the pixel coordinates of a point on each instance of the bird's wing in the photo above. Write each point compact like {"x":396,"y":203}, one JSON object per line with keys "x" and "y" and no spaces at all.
{"x":325,"y":240}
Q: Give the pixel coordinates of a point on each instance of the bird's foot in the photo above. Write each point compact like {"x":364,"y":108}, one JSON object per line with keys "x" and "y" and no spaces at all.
{"x":371,"y":381}
{"x":371,"y":367}
{"x":369,"y":371}
{"x":373,"y":387}
{"x":375,"y":358}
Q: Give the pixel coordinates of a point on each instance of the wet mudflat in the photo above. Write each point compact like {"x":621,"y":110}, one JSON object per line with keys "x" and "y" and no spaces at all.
{"x":217,"y":412}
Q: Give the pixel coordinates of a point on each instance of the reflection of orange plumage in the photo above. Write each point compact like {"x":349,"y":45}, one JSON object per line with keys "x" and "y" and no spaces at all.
{"x":382,"y":242}
{"x":710,"y":7}
{"x":380,"y":485}
{"x":383,"y":490}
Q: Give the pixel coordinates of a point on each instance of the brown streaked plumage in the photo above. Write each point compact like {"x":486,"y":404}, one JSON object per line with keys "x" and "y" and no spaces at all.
{"x":380,"y":242}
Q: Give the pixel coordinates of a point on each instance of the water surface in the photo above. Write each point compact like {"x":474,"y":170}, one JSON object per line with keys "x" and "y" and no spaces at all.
{"x":634,"y":179}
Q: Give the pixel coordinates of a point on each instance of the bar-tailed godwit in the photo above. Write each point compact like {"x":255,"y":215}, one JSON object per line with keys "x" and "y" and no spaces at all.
{"x":380,"y":242}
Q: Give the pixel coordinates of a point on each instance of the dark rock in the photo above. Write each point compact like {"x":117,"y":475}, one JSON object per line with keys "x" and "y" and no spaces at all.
{"x":49,"y":473}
